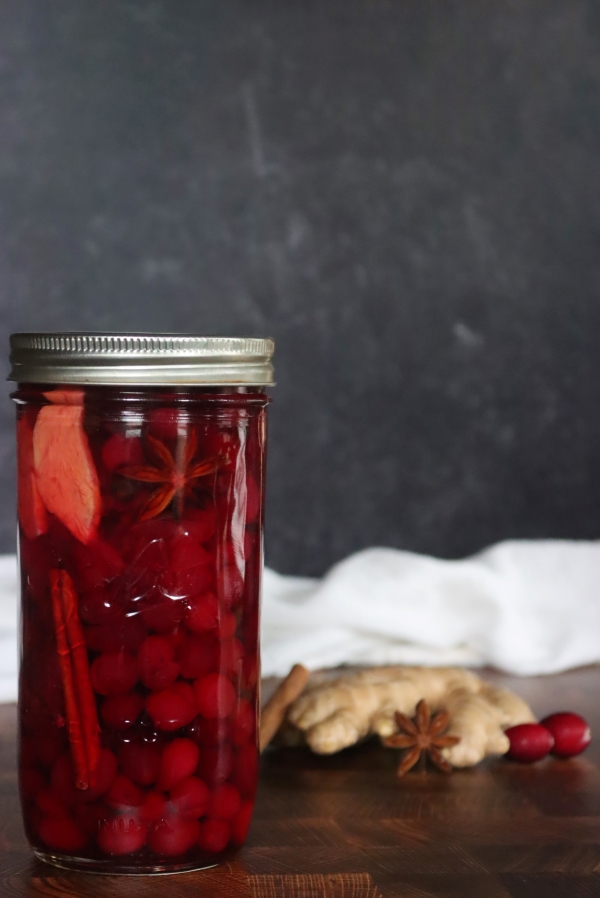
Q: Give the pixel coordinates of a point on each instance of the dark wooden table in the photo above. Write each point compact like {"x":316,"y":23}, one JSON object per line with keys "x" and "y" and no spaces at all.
{"x":345,"y":827}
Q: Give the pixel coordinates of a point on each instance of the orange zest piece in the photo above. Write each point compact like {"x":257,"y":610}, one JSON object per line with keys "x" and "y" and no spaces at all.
{"x":174,"y":476}
{"x":65,"y":474}
{"x":80,"y":706}
{"x":32,"y":511}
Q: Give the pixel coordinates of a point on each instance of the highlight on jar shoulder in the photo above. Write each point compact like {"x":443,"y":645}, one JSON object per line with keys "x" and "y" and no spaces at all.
{"x":140,"y":508}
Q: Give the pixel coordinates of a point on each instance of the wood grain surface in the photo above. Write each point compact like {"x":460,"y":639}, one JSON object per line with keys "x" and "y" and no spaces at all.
{"x":345,"y":827}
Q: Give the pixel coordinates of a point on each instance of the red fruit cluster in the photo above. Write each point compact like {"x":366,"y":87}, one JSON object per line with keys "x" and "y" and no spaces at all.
{"x":167,"y":606}
{"x":563,"y":734}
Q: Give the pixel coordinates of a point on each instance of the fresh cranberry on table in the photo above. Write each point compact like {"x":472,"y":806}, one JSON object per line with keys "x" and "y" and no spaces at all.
{"x":572,"y":734}
{"x":529,"y":742}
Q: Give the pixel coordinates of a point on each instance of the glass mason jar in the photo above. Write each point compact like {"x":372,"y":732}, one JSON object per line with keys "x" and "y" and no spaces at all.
{"x":140,"y":502}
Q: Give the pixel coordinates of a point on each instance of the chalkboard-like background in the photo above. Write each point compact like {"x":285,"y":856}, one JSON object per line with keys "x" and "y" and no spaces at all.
{"x":404,"y":193}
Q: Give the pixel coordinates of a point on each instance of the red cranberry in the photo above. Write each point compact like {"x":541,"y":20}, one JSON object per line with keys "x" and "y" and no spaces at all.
{"x":189,"y":798}
{"x":89,"y":817}
{"x":200,"y":523}
{"x":214,"y":835}
{"x":215,"y":695}
{"x":572,"y":733}
{"x":210,"y":732}
{"x":252,"y":499}
{"x":202,"y":613}
{"x":241,"y":823}
{"x":216,"y":763}
{"x":156,"y":663}
{"x":529,"y":742}
{"x":231,"y":655}
{"x":99,"y":606}
{"x":179,"y":760}
{"x":227,"y":626}
{"x":173,"y":835}
{"x":140,"y":761}
{"x":191,"y":568}
{"x":62,"y":780}
{"x":199,"y":656}
{"x":30,"y":783}
{"x":97,"y":564}
{"x":121,"y":711}
{"x":61,"y":834}
{"x":153,"y":807}
{"x":122,"y":834}
{"x":124,"y":794}
{"x":121,"y":449}
{"x":163,"y":615}
{"x":166,"y":423}
{"x":225,"y":802}
{"x":245,"y":770}
{"x":125,"y":633}
{"x":48,"y":802}
{"x":172,"y":708}
{"x":243,"y":723}
{"x":113,"y":673}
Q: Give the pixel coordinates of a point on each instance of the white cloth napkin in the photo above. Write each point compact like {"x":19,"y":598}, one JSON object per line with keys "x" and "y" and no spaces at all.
{"x":527,"y":607}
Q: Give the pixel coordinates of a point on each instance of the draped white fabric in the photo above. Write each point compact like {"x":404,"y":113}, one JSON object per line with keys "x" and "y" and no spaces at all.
{"x":527,"y":607}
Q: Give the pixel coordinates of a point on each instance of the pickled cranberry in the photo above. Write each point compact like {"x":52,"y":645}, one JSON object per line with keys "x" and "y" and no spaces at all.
{"x":48,"y":802}
{"x":89,"y":817}
{"x":122,"y":834}
{"x":121,"y":711}
{"x":97,"y":563}
{"x":166,"y":423}
{"x":227,"y":626}
{"x":120,"y":449}
{"x":210,"y":732}
{"x":225,"y":802}
{"x":241,"y":823}
{"x":140,"y":761}
{"x":189,"y":798}
{"x":172,"y":708}
{"x":231,"y":655}
{"x":200,"y":523}
{"x":156,"y":663}
{"x":214,"y":835}
{"x":124,"y":794}
{"x":199,"y":656}
{"x":52,"y":746}
{"x":173,"y":835}
{"x":202,"y":613}
{"x":215,"y":695}
{"x":230,"y":583}
{"x":252,"y":499}
{"x":62,"y":780}
{"x":245,"y":770}
{"x":163,"y":614}
{"x":179,"y":760}
{"x":243,"y":723}
{"x":99,"y":606}
{"x":191,"y":568}
{"x":30,"y":782}
{"x":125,"y":633}
{"x":153,"y":807}
{"x":61,"y":834}
{"x":114,"y":673}
{"x":216,"y":763}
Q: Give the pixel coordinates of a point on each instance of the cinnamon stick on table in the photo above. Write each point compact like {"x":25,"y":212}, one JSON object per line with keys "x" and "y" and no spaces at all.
{"x":273,"y":713}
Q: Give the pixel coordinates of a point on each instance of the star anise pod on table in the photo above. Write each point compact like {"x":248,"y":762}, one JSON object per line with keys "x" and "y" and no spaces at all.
{"x":175,"y":476}
{"x":422,"y":737}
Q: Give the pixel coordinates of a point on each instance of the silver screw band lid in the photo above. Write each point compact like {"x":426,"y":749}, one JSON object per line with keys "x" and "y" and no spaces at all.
{"x":140,"y":359}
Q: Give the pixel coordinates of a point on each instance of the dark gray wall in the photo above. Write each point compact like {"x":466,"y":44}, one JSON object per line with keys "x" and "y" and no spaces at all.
{"x":405,"y":194}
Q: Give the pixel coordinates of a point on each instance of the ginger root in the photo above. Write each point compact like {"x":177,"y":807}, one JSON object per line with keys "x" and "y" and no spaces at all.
{"x":333,"y":715}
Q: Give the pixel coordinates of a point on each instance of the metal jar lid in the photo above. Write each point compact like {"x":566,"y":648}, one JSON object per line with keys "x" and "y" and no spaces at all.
{"x":140,"y":359}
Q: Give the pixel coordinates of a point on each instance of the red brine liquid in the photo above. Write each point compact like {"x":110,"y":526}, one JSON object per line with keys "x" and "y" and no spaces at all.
{"x":141,"y":515}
